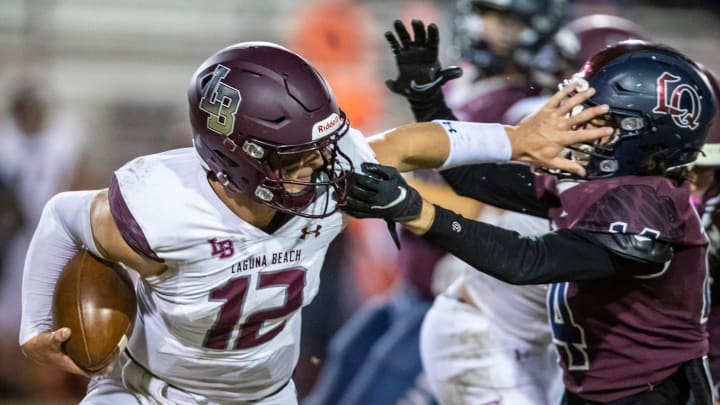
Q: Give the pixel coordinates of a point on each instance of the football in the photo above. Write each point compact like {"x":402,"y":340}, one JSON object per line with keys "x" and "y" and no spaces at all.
{"x":96,"y":300}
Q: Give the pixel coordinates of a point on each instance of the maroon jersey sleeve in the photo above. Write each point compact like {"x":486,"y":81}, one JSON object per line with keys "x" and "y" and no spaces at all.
{"x":649,"y":206}
{"x":491,"y":106}
{"x":127,"y":225}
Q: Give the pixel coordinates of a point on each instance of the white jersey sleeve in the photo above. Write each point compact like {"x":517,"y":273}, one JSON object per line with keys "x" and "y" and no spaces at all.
{"x":519,"y":310}
{"x":357,"y":148}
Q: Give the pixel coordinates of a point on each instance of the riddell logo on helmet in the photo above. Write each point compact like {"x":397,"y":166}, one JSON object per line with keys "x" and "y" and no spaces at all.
{"x":670,"y":100}
{"x":326,"y":126}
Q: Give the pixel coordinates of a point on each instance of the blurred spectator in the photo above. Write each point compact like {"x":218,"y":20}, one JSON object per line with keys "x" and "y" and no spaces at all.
{"x":39,"y":150}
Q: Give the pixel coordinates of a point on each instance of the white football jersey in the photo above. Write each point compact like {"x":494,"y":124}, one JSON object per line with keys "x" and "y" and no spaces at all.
{"x":223,"y":321}
{"x":518,"y":310}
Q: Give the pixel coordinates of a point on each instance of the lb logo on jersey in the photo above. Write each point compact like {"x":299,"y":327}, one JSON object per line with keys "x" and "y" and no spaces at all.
{"x":221,"y":102}
{"x":222,"y":248}
{"x":679,"y":100}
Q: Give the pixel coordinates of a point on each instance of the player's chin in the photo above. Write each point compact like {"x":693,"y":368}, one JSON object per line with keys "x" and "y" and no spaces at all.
{"x":298,"y":190}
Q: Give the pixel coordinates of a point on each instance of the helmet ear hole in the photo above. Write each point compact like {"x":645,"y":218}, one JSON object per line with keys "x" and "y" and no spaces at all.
{"x":226,"y":160}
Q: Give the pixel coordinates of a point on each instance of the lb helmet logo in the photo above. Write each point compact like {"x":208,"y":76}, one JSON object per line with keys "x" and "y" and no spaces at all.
{"x":221,"y":102}
{"x":679,"y":100}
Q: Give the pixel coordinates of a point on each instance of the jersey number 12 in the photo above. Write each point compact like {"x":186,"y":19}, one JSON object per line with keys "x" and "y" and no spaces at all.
{"x":234,"y":294}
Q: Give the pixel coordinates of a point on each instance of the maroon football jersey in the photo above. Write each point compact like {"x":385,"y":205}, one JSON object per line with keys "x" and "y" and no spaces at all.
{"x":619,"y":336}
{"x":489,"y":99}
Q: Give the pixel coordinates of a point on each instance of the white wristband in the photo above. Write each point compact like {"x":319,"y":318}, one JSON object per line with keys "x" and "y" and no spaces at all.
{"x":473,"y":142}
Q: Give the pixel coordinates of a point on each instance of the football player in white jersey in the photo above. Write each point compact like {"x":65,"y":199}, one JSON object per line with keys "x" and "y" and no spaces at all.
{"x":488,"y":342}
{"x":228,"y":237}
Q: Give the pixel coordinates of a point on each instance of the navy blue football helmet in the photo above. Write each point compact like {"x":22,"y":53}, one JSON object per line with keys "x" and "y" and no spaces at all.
{"x":542,"y":19}
{"x":661,"y":105}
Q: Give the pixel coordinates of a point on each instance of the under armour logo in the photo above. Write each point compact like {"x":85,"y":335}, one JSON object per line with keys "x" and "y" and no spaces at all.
{"x":448,"y":127}
{"x":456,"y":227}
{"x":223,"y":248}
{"x":306,"y":232}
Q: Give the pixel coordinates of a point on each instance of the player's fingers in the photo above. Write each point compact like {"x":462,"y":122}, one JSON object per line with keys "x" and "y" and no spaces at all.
{"x":451,"y":73}
{"x":394,"y":44}
{"x":588,"y":114}
{"x":419,"y":32}
{"x":560,"y":95}
{"x":360,"y":193}
{"x":568,"y":104}
{"x":585,"y":135}
{"x":356,"y":208}
{"x":402,"y":33}
{"x":567,"y":165}
{"x":60,"y":336}
{"x":68,"y":365}
{"x":366,"y":181}
{"x":433,"y":37}
{"x":379,"y":172}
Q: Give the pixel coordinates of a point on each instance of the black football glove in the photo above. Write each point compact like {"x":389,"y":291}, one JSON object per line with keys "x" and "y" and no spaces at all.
{"x":420,"y":76}
{"x":381,"y":192}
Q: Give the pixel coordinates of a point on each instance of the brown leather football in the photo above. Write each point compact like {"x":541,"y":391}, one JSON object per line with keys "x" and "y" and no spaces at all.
{"x":96,"y":300}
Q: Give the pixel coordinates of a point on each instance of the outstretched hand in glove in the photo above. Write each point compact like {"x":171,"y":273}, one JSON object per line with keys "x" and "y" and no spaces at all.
{"x":420,"y":76}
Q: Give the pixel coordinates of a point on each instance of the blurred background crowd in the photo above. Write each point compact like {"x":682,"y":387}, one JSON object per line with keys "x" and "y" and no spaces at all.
{"x":87,"y":85}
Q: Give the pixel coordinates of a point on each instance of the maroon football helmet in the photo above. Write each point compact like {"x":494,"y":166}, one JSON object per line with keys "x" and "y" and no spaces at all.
{"x":597,"y":31}
{"x":254,"y":105}
{"x":578,"y":41}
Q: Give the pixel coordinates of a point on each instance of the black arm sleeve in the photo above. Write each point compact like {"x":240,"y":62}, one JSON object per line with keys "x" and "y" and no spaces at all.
{"x":432,"y":109}
{"x":565,"y":255}
{"x":510,"y":186}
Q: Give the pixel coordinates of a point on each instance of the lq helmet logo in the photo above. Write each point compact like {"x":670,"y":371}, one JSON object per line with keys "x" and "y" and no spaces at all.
{"x":680,"y":101}
{"x":221,"y":102}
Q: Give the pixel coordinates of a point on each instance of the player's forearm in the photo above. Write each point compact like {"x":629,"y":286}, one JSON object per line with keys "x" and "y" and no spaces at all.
{"x":513,"y":258}
{"x":412,"y":146}
{"x":432,"y":109}
{"x":441,"y":144}
{"x":509,"y":186}
{"x":63,"y":229}
{"x":424,"y":221}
